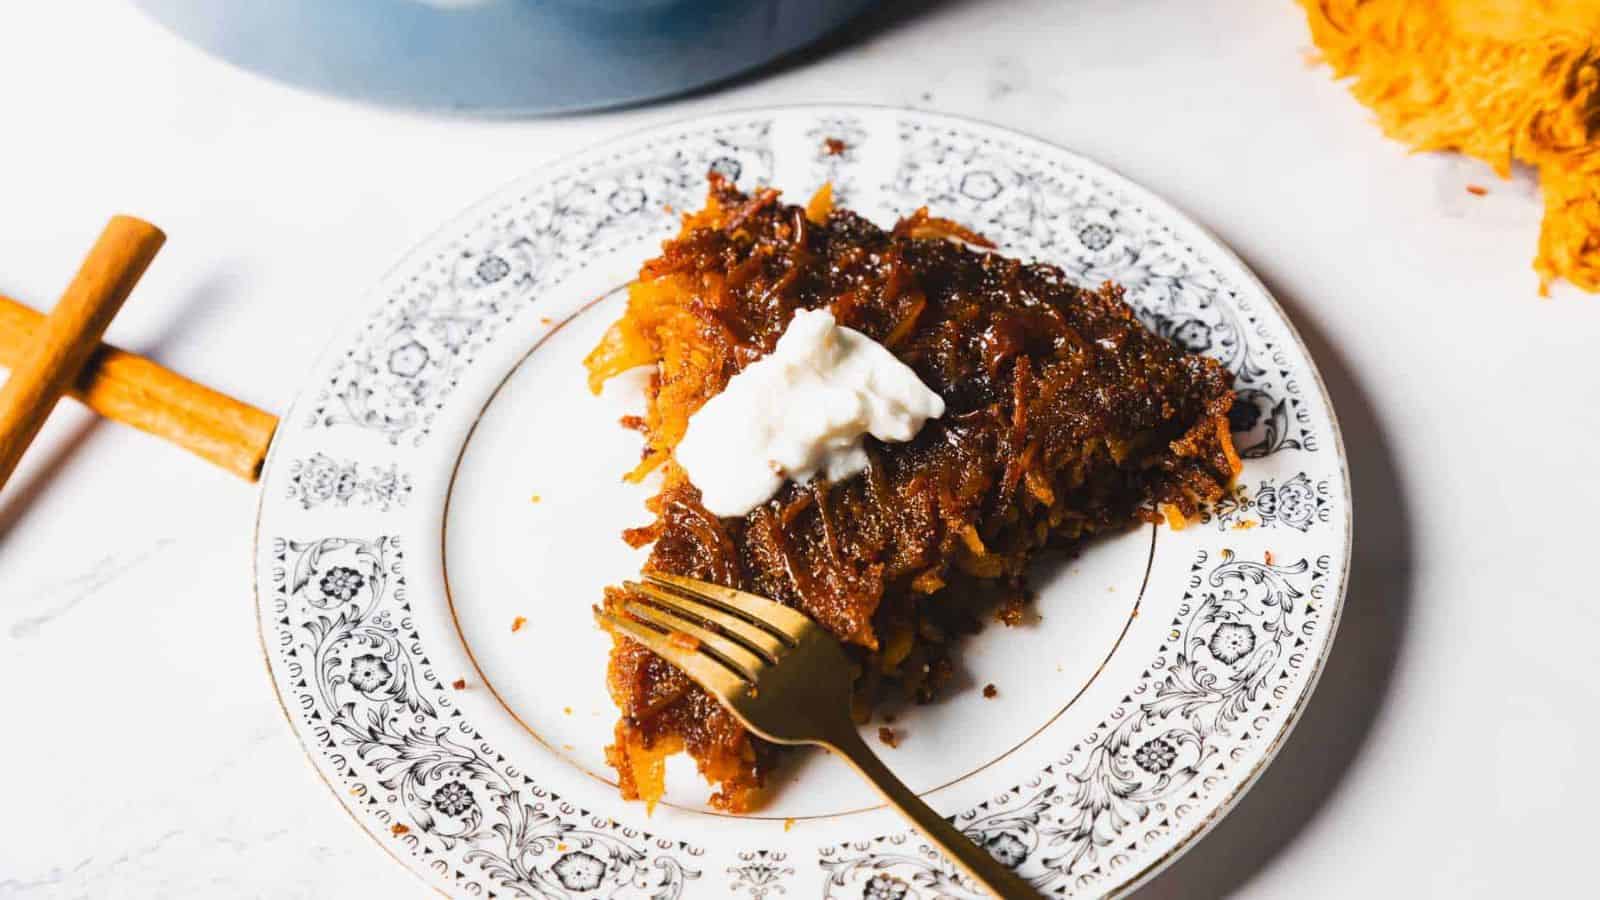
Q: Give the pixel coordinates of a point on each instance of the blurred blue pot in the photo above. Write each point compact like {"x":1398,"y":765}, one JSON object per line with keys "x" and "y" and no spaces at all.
{"x":501,"y":56}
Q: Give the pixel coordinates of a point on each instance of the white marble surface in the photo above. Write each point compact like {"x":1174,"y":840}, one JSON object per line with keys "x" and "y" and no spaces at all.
{"x":1449,"y":749}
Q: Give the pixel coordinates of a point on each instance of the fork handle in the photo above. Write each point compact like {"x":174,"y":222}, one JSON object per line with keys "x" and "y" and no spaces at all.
{"x":973,"y":859}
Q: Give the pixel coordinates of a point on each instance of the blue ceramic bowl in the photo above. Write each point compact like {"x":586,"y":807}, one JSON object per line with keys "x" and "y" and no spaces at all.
{"x":501,"y":56}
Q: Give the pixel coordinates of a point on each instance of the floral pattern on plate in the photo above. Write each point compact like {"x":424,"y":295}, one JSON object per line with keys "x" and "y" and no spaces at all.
{"x":356,"y":628}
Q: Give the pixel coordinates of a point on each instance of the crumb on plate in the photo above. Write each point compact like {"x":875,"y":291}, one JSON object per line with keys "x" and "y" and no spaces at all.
{"x":989,"y":691}
{"x":1010,"y":611}
{"x":517,"y":623}
{"x":1174,"y":516}
{"x":889,"y":737}
{"x":459,"y":684}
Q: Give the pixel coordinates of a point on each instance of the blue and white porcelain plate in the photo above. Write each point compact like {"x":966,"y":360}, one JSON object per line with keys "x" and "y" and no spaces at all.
{"x":443,"y":505}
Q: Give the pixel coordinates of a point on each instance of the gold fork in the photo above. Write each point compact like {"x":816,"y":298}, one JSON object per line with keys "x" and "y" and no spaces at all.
{"x":787,"y":680}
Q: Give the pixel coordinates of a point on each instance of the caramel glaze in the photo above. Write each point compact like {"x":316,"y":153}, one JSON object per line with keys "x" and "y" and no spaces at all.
{"x":1066,"y":418}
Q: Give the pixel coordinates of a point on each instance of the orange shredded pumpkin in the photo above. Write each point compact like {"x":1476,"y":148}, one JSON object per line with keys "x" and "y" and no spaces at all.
{"x":1498,"y":80}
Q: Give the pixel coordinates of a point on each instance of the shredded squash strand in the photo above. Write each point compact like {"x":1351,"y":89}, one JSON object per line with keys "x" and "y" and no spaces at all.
{"x":1498,"y":80}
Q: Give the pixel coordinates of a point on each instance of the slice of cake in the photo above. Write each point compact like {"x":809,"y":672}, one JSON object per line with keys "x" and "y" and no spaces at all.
{"x":1062,"y":418}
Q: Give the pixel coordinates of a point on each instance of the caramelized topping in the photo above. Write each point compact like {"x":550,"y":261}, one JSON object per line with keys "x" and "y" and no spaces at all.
{"x":1065,"y":418}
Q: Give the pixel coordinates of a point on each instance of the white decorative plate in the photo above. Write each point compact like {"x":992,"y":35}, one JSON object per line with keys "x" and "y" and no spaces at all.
{"x":446,"y":472}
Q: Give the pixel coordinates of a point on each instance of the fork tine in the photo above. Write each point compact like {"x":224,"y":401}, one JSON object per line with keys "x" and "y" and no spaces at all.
{"x":704,"y":669}
{"x":757,"y":639}
{"x":787,"y":623}
{"x":730,"y":653}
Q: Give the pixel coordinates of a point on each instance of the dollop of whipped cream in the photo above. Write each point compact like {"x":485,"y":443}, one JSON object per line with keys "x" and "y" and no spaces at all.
{"x":799,"y":412}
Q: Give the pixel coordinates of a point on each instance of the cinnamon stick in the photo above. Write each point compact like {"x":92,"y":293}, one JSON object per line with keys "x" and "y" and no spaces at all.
{"x":72,"y":331}
{"x":135,"y":391}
